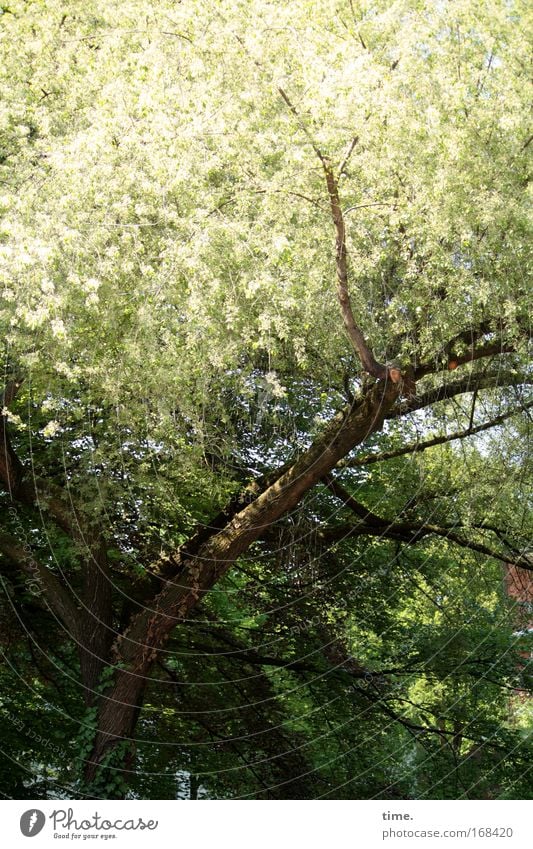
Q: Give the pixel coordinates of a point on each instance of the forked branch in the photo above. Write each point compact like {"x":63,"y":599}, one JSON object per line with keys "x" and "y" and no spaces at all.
{"x":368,"y":361}
{"x":355,"y":334}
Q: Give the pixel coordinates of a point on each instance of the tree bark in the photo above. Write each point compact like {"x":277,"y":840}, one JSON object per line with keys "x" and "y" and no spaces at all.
{"x":137,"y":648}
{"x":96,"y":624}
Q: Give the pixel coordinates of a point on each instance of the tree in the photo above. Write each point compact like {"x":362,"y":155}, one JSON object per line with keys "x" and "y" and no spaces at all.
{"x":184,"y":382}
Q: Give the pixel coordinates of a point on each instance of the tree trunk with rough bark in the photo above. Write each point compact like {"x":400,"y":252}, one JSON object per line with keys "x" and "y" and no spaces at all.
{"x":136,"y":649}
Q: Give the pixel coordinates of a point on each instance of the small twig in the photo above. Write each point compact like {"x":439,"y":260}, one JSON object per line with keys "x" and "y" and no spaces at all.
{"x":349,"y":153}
{"x":471,"y":420}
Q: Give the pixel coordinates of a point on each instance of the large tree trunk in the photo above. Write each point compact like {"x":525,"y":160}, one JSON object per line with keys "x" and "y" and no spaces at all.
{"x":138,"y":646}
{"x":95,"y":630}
{"x":113,"y":754}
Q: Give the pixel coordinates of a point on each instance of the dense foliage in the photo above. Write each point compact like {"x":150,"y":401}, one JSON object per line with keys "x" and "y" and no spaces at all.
{"x":254,"y":523}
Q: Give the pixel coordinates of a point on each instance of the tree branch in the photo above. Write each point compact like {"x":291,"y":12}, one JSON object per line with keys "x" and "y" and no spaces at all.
{"x":55,"y":595}
{"x":344,"y":162}
{"x":360,"y":510}
{"x":93,"y":623}
{"x":453,"y":360}
{"x":17,"y":481}
{"x":416,"y":447}
{"x":150,"y":628}
{"x":359,"y":344}
{"x":413,"y":532}
{"x":11,"y":470}
{"x":357,"y":339}
{"x":469,"y":383}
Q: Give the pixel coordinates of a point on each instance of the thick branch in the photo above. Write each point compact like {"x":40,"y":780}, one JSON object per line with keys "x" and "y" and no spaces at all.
{"x":151,"y":627}
{"x":92,"y":624}
{"x":53,"y":592}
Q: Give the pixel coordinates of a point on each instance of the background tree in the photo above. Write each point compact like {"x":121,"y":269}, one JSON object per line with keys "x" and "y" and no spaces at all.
{"x":264,"y":305}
